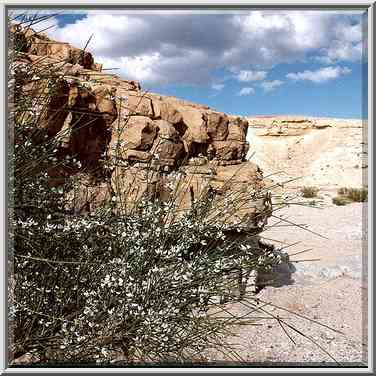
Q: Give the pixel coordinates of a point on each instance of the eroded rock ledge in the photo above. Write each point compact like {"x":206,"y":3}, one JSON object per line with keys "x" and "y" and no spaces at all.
{"x":133,"y":143}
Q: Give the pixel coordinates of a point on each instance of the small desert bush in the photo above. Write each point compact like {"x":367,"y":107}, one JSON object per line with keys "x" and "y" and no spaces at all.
{"x":354,"y":194}
{"x":340,"y":200}
{"x":348,"y":195}
{"x":309,"y":192}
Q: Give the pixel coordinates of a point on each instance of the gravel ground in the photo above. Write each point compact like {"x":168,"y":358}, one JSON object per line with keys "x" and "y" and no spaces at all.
{"x":328,"y":290}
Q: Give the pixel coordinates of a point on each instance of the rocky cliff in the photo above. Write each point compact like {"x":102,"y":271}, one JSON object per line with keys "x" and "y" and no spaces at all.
{"x":133,"y":144}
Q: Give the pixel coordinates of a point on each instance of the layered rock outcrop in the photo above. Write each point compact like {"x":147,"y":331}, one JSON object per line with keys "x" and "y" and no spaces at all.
{"x":134,"y":144}
{"x":327,"y":153}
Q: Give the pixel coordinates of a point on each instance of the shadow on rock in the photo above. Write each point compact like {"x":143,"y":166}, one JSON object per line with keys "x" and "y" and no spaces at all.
{"x":280,"y":275}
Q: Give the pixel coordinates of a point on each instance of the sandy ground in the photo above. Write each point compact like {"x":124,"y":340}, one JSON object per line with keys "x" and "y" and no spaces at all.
{"x":330,"y":157}
{"x":329,"y":289}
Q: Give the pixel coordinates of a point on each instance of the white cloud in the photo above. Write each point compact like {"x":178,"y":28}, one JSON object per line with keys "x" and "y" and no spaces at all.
{"x":271,"y":85}
{"x":248,"y":75}
{"x":158,"y":47}
{"x":320,"y":75}
{"x":218,"y":87}
{"x":342,"y":51}
{"x":246,"y":91}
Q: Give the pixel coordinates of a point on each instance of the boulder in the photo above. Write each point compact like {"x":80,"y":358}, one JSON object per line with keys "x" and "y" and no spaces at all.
{"x":105,"y":103}
{"x":138,"y":133}
{"x":88,"y":194}
{"x":36,"y":43}
{"x":167,"y":152}
{"x":140,"y":105}
{"x":57,"y":109}
{"x":167,"y":111}
{"x":230,"y":150}
{"x":158,"y":145}
{"x":196,"y":126}
{"x":237,"y":129}
{"x":137,"y":155}
{"x":166,"y":130}
{"x":131,"y":184}
{"x":93,"y":111}
{"x":217,"y":126}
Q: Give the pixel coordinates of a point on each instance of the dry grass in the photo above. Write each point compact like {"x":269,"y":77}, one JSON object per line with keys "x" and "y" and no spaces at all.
{"x":348,"y":195}
{"x":354,"y":194}
{"x":309,"y":192}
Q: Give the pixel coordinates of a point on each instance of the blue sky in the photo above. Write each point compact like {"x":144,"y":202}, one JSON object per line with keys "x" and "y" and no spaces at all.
{"x":246,"y":63}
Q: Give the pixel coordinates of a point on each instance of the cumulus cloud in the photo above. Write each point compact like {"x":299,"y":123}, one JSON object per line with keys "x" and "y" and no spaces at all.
{"x":159,"y":47}
{"x":246,"y":91}
{"x":320,"y":75}
{"x":218,"y":87}
{"x":248,"y":75}
{"x":271,"y":85}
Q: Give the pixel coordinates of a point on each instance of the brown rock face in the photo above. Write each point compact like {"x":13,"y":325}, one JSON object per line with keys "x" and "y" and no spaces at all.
{"x":138,"y":133}
{"x":167,"y":111}
{"x":230,"y":150}
{"x":217,"y":126}
{"x":196,"y":126}
{"x":157,"y":146}
{"x":237,"y":130}
{"x":39,"y":44}
{"x":140,"y":105}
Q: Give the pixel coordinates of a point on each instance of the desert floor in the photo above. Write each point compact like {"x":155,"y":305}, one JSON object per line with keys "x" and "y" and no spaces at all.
{"x":330,"y":289}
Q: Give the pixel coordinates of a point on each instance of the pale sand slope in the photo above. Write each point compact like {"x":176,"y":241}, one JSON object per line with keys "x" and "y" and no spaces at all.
{"x":328,"y":290}
{"x":325,"y":152}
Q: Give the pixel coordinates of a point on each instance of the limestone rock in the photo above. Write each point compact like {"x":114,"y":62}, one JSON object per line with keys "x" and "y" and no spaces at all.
{"x":37,"y":43}
{"x":140,"y":105}
{"x":157,"y":145}
{"x":196,"y":126}
{"x":237,"y":129}
{"x":138,"y":134}
{"x":167,"y":152}
{"x":132,"y":184}
{"x":137,"y":155}
{"x":230,"y":150}
{"x":166,"y":130}
{"x":217,"y":126}
{"x":88,"y":194}
{"x":167,"y":111}
{"x":168,"y":148}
